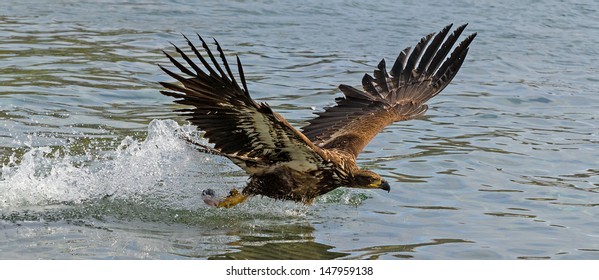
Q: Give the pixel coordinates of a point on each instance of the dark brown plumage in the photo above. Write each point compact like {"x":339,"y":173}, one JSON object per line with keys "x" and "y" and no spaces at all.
{"x":284,"y":163}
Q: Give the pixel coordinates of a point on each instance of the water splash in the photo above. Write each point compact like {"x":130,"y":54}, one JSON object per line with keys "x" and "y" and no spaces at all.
{"x":161,"y":168}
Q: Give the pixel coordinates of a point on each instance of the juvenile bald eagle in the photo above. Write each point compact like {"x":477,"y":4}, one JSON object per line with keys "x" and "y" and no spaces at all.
{"x":286,"y":163}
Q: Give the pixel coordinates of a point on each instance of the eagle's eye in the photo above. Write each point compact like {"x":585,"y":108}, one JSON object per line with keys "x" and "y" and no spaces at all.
{"x":364,"y":179}
{"x":367,"y":179}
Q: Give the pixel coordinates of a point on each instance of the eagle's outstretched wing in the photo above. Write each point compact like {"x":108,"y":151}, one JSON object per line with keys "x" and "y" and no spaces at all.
{"x":247,"y":132}
{"x":398,"y":95}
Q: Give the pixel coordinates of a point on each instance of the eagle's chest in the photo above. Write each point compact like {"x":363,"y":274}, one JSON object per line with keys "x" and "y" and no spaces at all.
{"x":289,"y":184}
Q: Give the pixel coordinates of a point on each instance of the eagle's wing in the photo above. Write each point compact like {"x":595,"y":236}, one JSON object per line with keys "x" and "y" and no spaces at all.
{"x":247,"y":132}
{"x":398,"y":95}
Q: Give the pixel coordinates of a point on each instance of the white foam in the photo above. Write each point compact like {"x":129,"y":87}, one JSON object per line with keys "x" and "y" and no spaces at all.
{"x":162,"y":167}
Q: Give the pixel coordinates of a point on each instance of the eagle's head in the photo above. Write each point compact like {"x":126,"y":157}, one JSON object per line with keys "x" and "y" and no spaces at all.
{"x":364,"y":179}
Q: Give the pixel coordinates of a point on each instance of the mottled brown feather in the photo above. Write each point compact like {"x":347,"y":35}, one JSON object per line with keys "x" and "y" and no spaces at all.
{"x":398,"y":95}
{"x":239,"y":127}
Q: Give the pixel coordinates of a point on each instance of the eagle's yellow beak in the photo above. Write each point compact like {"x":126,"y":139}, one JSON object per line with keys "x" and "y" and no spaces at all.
{"x":382,"y":184}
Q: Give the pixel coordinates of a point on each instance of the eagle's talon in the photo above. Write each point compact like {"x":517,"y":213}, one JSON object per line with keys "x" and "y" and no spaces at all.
{"x":209,"y":192}
{"x":234,"y":198}
{"x":209,"y":197}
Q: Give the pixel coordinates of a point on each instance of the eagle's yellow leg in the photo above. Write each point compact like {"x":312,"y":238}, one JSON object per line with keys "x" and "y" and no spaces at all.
{"x":234,"y":198}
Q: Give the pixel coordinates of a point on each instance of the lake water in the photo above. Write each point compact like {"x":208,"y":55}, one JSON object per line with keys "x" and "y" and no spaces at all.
{"x":505,"y":165}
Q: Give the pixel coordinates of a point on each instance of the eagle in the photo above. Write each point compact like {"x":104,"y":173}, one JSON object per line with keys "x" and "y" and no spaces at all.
{"x":287,"y":163}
